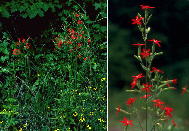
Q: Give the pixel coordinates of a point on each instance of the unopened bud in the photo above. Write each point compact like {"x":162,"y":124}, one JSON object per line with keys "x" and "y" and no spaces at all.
{"x":148,"y":30}
{"x":159,"y":124}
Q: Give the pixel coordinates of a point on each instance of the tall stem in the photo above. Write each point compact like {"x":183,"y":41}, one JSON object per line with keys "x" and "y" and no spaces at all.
{"x":146,"y":64}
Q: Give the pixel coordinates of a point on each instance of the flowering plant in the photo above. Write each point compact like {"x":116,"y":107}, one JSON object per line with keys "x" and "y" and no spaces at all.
{"x":149,"y":111}
{"x":54,"y":77}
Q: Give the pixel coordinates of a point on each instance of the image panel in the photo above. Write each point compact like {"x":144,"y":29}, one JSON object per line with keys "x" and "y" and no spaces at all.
{"x":53,"y":56}
{"x":148,"y":65}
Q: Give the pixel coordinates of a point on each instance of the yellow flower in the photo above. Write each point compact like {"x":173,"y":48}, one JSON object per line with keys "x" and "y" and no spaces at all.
{"x":69,"y":129}
{"x":25,"y":125}
{"x":89,"y":127}
{"x":103,"y":79}
{"x":82,"y":119}
{"x":56,"y":129}
{"x":75,"y":114}
{"x":89,"y":87}
{"x":20,"y":129}
{"x":95,"y":89}
{"x":101,"y":111}
{"x":101,"y":120}
{"x":91,"y":113}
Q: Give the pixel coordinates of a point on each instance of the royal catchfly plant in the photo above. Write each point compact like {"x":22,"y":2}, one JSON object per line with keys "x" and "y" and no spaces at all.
{"x":146,"y":111}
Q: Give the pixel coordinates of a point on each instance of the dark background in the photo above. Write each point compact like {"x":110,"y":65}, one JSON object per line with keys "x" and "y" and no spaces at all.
{"x":170,"y":25}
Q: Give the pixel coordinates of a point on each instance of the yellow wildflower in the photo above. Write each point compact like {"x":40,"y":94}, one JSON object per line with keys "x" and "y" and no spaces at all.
{"x":89,"y":87}
{"x":103,"y":79}
{"x":82,"y":119}
{"x":25,"y":125}
{"x":95,"y":89}
{"x":101,"y":120}
{"x":75,"y":114}
{"x":91,"y":113}
{"x":69,"y":129}
{"x":89,"y":127}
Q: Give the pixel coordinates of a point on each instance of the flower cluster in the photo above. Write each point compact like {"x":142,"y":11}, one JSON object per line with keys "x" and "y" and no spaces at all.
{"x":149,"y":84}
{"x":21,"y":44}
{"x":74,"y":40}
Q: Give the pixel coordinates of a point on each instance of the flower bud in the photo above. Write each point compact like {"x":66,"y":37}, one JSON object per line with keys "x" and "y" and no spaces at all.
{"x":148,"y":30}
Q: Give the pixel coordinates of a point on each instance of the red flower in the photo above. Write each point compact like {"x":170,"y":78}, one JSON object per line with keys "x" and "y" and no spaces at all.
{"x":23,"y":40}
{"x":184,"y":90}
{"x":143,"y":7}
{"x":154,"y":69}
{"x":18,"y":43}
{"x":139,"y":44}
{"x":168,"y":111}
{"x":127,"y":122}
{"x":60,"y":44}
{"x":79,"y":44}
{"x":145,"y":96}
{"x":89,"y":40}
{"x":135,"y":78}
{"x":156,"y":42}
{"x":133,"y":83}
{"x":174,"y":81}
{"x":146,"y":87}
{"x":77,"y":15}
{"x":69,"y":42}
{"x":79,"y":22}
{"x":85,"y":58}
{"x":139,"y":76}
{"x":73,"y":37}
{"x":174,"y":123}
{"x":145,"y":53}
{"x":137,"y":20}
{"x":16,"y":52}
{"x":27,"y":45}
{"x":118,"y":110}
{"x":130,"y":101}
{"x":158,"y":103}
{"x":168,"y":85}
{"x":71,"y":31}
{"x":80,"y":35}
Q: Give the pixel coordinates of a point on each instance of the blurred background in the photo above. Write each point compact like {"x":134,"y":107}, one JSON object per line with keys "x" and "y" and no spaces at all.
{"x":170,"y":25}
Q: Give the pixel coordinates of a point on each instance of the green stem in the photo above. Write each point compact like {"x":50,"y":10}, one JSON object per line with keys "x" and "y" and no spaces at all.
{"x":145,"y":38}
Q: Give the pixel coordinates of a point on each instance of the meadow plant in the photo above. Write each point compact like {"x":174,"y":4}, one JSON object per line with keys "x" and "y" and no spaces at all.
{"x":55,"y":80}
{"x":146,"y":111}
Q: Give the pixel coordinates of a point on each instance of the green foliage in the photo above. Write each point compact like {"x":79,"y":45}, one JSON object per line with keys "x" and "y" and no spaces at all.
{"x":56,"y":81}
{"x":28,"y":8}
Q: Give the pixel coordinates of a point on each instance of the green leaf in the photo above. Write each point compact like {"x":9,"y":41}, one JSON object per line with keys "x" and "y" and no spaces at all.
{"x":5,"y":12}
{"x":5,"y":51}
{"x":3,"y":58}
{"x":11,"y":100}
